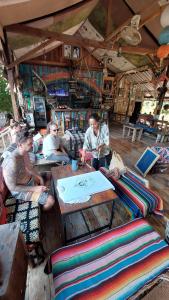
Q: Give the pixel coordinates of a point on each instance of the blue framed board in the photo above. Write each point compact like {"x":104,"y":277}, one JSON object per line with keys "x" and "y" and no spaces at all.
{"x":146,"y":161}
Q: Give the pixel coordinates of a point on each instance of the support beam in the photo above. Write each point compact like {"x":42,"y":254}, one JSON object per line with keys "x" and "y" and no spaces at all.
{"x":58,"y":64}
{"x":162,"y":93}
{"x":74,"y":40}
{"x":8,"y":58}
{"x":30,"y":53}
{"x":45,"y":34}
{"x":13,"y":96}
{"x":109,"y":17}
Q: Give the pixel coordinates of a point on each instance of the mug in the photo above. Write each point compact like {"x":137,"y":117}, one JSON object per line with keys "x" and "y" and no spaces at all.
{"x":74,"y":165}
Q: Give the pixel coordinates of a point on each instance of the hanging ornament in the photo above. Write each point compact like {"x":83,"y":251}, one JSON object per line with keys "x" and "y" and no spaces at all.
{"x":164,"y":36}
{"x":164,"y":20}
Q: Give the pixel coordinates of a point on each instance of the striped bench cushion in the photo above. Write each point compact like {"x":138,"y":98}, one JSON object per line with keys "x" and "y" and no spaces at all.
{"x":113,"y":265}
{"x":140,"y":199}
{"x":27,"y":213}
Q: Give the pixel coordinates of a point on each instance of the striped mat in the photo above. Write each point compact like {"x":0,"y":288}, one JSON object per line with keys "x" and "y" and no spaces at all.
{"x":140,"y":199}
{"x":112,"y":265}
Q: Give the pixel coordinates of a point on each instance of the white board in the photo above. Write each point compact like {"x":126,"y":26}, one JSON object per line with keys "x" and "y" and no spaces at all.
{"x":79,"y":188}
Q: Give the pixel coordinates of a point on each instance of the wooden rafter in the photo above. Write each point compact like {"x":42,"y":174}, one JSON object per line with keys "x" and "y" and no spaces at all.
{"x":65,"y":38}
{"x":112,"y":36}
{"x":109,"y":17}
{"x":30,"y":53}
{"x":144,"y":20}
{"x":126,"y":49}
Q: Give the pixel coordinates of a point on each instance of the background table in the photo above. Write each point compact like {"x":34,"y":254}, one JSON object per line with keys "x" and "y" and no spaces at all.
{"x":132,"y":129}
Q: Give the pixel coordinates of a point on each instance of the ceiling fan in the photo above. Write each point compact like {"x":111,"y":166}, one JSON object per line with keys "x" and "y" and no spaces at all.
{"x":130,"y":34}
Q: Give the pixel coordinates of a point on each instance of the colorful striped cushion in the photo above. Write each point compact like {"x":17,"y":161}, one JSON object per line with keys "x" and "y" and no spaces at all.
{"x":140,"y":199}
{"x":113,"y":265}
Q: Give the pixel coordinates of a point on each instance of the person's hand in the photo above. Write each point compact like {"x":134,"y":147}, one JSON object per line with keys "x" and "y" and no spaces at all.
{"x":39,"y":180}
{"x":40,"y":188}
{"x":83,"y":159}
{"x":99,"y":148}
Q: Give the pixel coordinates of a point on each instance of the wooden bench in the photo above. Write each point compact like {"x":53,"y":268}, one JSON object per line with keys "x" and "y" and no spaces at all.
{"x":27,"y":214}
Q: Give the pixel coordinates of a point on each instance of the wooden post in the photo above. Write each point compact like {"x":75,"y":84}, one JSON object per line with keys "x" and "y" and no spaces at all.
{"x":162,"y":94}
{"x":109,"y":17}
{"x":8,"y":60}
{"x":13,"y":96}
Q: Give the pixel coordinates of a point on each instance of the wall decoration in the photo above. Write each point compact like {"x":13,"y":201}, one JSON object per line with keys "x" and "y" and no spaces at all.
{"x":75,"y":52}
{"x":107,"y":84}
{"x":71,"y":52}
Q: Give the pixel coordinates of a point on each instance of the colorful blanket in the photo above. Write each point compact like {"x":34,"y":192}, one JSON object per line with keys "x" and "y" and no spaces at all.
{"x":112,"y":265}
{"x":140,"y":199}
{"x":163,"y":152}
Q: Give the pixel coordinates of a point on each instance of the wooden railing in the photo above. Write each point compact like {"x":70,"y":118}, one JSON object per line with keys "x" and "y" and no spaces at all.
{"x":5,"y":138}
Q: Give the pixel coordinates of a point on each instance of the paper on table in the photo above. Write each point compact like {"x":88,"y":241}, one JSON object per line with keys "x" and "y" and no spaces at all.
{"x":79,"y":188}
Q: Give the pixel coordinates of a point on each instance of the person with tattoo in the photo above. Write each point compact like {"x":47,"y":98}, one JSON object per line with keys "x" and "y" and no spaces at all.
{"x":22,"y":180}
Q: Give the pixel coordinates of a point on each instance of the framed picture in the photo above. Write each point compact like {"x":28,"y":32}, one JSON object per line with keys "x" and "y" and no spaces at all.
{"x":71,"y":52}
{"x":75,"y":52}
{"x":146,"y":161}
{"x":108,"y":84}
{"x":67,"y":51}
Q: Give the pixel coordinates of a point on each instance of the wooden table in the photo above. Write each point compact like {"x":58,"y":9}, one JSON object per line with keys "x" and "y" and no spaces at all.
{"x":133,"y":130}
{"x":95,"y":200}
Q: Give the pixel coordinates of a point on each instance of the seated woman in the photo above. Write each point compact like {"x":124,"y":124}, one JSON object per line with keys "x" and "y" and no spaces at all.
{"x":97,"y":141}
{"x":52,"y":147}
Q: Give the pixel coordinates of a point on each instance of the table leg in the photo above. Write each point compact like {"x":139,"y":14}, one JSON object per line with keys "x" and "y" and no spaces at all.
{"x":134,"y":135}
{"x":123,"y":131}
{"x":162,"y":139}
{"x":63,"y":230}
{"x":140,"y":134}
{"x":128,"y":132}
{"x":111,"y":216}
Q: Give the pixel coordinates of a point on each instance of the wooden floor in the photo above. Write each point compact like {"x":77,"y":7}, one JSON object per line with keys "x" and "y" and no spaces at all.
{"x":39,"y":284}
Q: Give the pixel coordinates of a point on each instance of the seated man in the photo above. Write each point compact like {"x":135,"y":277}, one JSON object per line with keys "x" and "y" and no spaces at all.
{"x":19,"y":175}
{"x":52,"y":146}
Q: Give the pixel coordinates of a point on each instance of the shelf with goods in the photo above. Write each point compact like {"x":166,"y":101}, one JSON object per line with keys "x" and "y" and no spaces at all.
{"x":76,"y":118}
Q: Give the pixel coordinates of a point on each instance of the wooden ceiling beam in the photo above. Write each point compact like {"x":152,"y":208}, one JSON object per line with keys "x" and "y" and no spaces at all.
{"x":65,"y":38}
{"x":59,"y":64}
{"x":109,"y":17}
{"x":144,"y":20}
{"x":125,"y":49}
{"x":30,"y":53}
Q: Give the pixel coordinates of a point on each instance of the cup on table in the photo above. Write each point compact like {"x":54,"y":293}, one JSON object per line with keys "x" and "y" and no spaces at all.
{"x":74,"y":164}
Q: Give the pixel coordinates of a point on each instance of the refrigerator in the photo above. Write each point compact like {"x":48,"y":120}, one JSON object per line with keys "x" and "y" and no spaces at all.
{"x":39,"y":111}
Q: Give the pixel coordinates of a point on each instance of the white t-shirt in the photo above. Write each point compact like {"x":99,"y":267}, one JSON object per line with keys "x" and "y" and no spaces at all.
{"x":50,"y":143}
